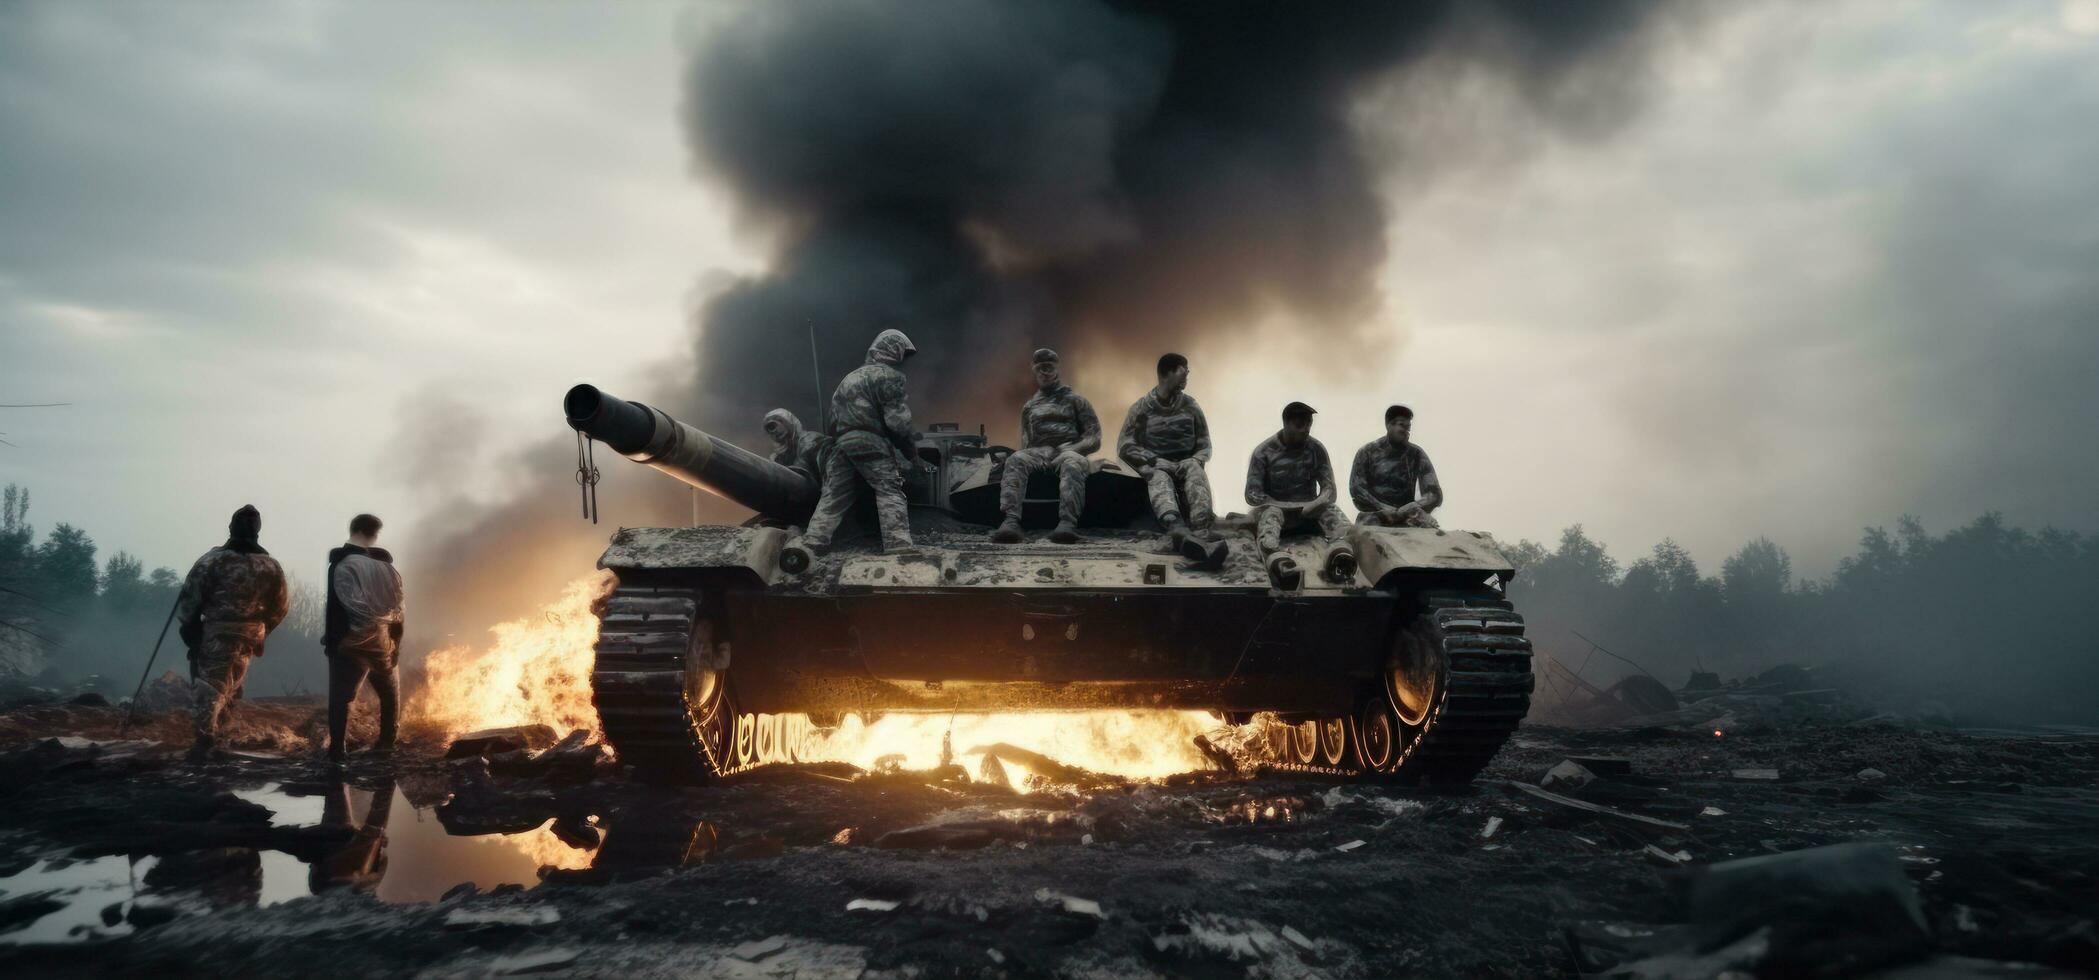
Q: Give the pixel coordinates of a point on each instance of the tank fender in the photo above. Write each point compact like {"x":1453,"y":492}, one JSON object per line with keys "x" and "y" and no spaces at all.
{"x":753,"y":550}
{"x":1380,"y":551}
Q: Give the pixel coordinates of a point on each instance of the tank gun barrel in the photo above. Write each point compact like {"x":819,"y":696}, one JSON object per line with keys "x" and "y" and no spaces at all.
{"x":649,"y":435}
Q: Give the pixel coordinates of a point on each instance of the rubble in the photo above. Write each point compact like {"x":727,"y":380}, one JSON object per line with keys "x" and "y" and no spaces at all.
{"x":496,"y":741}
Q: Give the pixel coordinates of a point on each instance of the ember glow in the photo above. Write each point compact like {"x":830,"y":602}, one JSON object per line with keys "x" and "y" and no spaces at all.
{"x":534,"y":670}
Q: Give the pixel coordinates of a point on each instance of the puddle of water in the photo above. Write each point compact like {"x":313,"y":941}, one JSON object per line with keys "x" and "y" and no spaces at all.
{"x":398,"y":852}
{"x":86,"y":887}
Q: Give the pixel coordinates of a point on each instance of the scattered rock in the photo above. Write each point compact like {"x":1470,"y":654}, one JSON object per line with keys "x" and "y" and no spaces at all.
{"x":1871,"y":775}
{"x":1567,"y":777}
{"x":1835,"y":910}
{"x":758,"y":949}
{"x":494,"y":741}
{"x":872,"y":905}
{"x":502,"y":917}
{"x":1762,"y":775}
{"x":1071,"y":904}
{"x":536,"y":961}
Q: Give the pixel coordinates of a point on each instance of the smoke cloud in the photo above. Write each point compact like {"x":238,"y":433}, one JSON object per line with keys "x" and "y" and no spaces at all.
{"x":1117,"y":179}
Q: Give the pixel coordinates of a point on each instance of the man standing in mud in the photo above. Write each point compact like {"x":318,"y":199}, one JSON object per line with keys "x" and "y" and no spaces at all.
{"x":1166,"y":439}
{"x":872,"y":440}
{"x":1058,"y":430}
{"x":234,"y":596}
{"x":1383,"y":478}
{"x":1290,"y":483}
{"x":362,"y":635}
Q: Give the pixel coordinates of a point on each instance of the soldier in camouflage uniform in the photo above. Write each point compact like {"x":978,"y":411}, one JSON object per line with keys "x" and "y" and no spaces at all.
{"x":872,"y":440}
{"x":1387,"y":470}
{"x":1166,"y":439}
{"x":1290,"y":483}
{"x":234,"y":596}
{"x":795,"y":447}
{"x":1058,"y":429}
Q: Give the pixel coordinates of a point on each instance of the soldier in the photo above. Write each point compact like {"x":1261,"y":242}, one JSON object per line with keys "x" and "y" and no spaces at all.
{"x":1057,"y":431}
{"x":871,"y":437}
{"x":1166,"y":439}
{"x":794,"y":446}
{"x":1290,"y":483}
{"x":1385,"y":473}
{"x":362,"y":635}
{"x":234,"y":596}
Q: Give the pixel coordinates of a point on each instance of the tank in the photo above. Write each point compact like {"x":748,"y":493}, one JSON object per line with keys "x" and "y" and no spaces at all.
{"x":722,"y":647}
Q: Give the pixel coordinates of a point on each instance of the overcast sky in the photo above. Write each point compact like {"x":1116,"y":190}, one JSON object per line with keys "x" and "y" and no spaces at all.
{"x":1841,"y":264}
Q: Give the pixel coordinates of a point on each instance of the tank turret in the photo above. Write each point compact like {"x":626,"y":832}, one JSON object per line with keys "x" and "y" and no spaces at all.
{"x":649,"y":435}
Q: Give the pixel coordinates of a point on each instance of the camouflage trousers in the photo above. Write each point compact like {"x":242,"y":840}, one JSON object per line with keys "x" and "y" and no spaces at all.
{"x":862,"y":459}
{"x":1071,"y":468}
{"x":222,"y":665}
{"x":1186,"y":475}
{"x":1272,"y":521}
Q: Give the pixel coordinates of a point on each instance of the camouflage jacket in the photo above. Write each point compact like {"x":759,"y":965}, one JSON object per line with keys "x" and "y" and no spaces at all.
{"x":1060,"y":417}
{"x":1385,"y":475}
{"x":231,"y":591}
{"x":1279,"y":474}
{"x":871,"y":399}
{"x":1155,"y":430}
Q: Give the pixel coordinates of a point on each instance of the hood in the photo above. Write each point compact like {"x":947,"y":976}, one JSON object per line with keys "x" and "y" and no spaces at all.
{"x":890,"y":347}
{"x":787,"y":421}
{"x":341,"y":552}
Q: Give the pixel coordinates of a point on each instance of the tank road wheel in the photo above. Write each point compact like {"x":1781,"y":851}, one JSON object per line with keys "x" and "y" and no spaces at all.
{"x":660,"y":683}
{"x":1377,"y":737}
{"x":1457,"y":683}
{"x":1333,"y":741}
{"x":1304,"y":742}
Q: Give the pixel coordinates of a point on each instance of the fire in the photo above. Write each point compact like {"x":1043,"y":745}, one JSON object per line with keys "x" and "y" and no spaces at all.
{"x":1134,"y":744}
{"x":535,"y":671}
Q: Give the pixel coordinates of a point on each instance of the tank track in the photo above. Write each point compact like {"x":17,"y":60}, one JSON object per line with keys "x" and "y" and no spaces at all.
{"x":1485,"y":694}
{"x":645,"y":636}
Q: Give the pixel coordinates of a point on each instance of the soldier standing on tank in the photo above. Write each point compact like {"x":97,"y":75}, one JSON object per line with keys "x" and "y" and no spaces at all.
{"x":1290,"y":483}
{"x":1386,"y":471}
{"x":1058,"y":429}
{"x":234,"y":596}
{"x":871,"y":440}
{"x":1166,"y":439}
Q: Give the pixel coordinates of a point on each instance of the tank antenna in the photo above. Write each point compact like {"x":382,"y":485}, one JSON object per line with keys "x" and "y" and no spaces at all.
{"x":816,"y":374}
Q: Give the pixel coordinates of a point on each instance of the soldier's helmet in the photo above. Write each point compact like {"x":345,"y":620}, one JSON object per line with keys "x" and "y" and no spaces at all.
{"x":891,"y":347}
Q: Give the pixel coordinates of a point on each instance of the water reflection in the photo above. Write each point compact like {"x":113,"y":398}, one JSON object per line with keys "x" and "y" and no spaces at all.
{"x":360,"y":862}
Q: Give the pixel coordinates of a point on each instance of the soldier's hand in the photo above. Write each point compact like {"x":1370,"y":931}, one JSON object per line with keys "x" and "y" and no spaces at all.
{"x":1147,"y":470}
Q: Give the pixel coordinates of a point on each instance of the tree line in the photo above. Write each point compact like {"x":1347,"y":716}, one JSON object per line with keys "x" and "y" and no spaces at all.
{"x":1982,"y":619}
{"x":65,"y":619}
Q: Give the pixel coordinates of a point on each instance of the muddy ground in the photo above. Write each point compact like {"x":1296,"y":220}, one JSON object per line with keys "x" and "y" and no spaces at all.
{"x":117,"y":859}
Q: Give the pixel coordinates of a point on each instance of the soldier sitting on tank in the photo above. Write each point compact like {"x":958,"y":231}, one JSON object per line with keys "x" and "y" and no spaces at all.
{"x":795,"y":447}
{"x":1058,"y":429}
{"x":1290,"y":484}
{"x":1386,"y":471}
{"x":871,"y":440}
{"x":1166,"y":439}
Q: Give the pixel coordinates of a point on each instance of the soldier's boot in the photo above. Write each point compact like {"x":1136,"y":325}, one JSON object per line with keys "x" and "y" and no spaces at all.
{"x":1066,"y":533}
{"x":1008,"y":531}
{"x":1176,"y":532}
{"x":1206,"y":552}
{"x":1284,"y":573}
{"x":1340,"y":562}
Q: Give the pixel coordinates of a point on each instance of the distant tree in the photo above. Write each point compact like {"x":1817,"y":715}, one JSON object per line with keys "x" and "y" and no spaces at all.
{"x":164,"y":578}
{"x":124,"y":582}
{"x":1756,"y":573}
{"x":65,"y":565}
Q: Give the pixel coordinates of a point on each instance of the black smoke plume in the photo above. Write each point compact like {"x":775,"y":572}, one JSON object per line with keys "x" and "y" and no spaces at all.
{"x":1112,"y":179}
